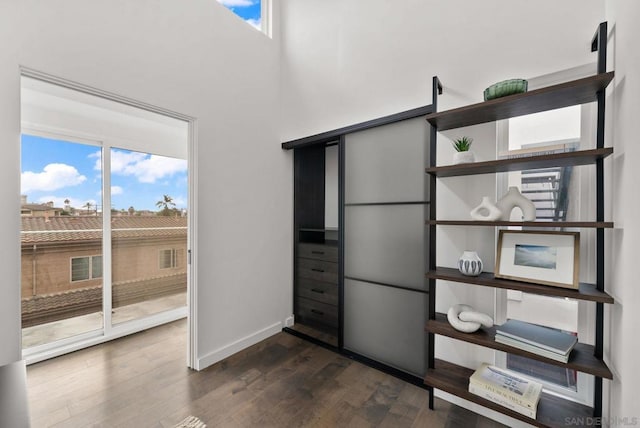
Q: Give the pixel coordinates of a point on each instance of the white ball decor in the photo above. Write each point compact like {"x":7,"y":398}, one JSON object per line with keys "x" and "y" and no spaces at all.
{"x":464,"y":318}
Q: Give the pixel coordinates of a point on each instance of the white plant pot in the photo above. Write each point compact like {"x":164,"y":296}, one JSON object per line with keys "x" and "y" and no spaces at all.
{"x":463,"y":157}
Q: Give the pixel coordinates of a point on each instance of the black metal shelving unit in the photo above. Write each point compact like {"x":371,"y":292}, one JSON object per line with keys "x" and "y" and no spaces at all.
{"x":452,"y":378}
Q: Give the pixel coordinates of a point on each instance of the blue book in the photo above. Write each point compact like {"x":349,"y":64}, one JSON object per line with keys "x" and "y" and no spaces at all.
{"x":543,"y":337}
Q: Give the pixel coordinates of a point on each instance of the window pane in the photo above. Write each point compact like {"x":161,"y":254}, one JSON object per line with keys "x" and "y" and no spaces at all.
{"x":544,"y":128}
{"x":96,"y":267}
{"x":80,"y":269}
{"x":61,"y":232}
{"x":166,"y":259}
{"x":149,"y":232}
{"x":249,"y":10}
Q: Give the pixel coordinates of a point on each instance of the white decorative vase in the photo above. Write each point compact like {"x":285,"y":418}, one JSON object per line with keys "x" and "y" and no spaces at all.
{"x":512,"y":199}
{"x":470,"y":264}
{"x":463,"y":157}
{"x":486,"y":211}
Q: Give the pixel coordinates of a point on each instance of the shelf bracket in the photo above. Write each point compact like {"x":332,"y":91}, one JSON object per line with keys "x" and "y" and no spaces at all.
{"x":437,"y":90}
{"x":599,"y":43}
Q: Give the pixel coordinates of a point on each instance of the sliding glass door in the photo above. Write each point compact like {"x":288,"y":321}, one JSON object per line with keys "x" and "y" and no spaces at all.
{"x":104,"y":219}
{"x":61,"y":240}
{"x":385,"y":293}
{"x":148,"y":234}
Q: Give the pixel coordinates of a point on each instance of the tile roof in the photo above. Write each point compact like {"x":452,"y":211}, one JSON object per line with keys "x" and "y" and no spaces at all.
{"x":39,"y":207}
{"x":85,"y":228}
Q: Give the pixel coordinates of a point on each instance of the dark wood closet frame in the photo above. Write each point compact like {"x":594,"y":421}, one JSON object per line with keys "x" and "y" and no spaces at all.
{"x":324,"y":140}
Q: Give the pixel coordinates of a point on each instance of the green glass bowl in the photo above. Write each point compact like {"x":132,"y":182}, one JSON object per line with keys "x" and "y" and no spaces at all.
{"x":504,"y":88}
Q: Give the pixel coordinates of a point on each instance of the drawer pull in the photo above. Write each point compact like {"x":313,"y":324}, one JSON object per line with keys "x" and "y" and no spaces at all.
{"x":317,"y":270}
{"x":317,"y":252}
{"x":317,"y":312}
{"x":315,"y":290}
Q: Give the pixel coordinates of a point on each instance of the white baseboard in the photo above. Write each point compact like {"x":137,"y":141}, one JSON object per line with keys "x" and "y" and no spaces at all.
{"x":237,"y":346}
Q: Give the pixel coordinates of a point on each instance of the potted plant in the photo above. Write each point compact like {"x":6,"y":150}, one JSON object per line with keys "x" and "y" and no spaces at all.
{"x":463,"y":153}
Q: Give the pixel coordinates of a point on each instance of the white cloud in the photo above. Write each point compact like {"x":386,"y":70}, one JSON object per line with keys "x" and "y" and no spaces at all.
{"x":54,"y":176}
{"x":180,"y":202}
{"x":115,"y":190}
{"x":156,"y":167}
{"x":146,"y":168}
{"x":237,"y":3}
{"x":255,"y":23}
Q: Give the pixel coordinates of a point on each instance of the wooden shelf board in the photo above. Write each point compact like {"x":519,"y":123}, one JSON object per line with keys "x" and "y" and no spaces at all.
{"x":547,"y":224}
{"x":575,"y":158}
{"x":582,"y":357}
{"x":566,"y":94}
{"x":586,"y":291}
{"x":552,"y":411}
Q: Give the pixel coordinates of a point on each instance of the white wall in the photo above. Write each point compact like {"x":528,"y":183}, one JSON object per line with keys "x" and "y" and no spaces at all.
{"x":198,"y":59}
{"x":623,"y":128}
{"x":346,"y":61}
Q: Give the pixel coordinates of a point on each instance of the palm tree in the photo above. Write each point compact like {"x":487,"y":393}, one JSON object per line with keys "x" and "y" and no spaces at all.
{"x":88,"y":206}
{"x":166,"y":204}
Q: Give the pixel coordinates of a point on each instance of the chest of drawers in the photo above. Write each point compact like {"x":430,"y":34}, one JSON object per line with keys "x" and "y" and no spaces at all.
{"x":316,"y":287}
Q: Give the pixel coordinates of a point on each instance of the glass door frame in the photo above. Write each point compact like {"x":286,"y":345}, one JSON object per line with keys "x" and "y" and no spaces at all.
{"x":108,"y":331}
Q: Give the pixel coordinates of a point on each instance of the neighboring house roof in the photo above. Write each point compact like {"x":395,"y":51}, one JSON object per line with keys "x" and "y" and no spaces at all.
{"x":39,"y":207}
{"x":85,"y":228}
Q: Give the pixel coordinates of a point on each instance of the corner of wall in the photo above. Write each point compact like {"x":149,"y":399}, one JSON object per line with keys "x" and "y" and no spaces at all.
{"x":237,"y":346}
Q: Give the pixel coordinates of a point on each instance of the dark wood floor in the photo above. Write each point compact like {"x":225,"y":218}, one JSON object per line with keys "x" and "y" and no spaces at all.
{"x":142,"y":381}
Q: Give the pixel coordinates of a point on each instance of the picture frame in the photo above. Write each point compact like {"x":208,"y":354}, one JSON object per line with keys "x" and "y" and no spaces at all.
{"x":547,"y":257}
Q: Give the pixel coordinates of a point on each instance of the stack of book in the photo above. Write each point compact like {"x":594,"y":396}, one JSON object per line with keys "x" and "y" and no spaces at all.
{"x":547,"y":342}
{"x":506,"y":388}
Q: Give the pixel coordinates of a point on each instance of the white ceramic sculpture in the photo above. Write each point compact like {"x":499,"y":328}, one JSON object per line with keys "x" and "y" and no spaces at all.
{"x":464,"y":318}
{"x":512,"y":199}
{"x":470,"y":263}
{"x":486,"y":211}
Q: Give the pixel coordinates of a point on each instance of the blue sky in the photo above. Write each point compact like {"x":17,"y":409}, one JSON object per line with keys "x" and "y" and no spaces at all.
{"x":249,"y":10}
{"x":55,"y":170}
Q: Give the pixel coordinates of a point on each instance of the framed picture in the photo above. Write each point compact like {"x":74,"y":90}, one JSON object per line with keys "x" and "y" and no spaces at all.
{"x":549,"y":258}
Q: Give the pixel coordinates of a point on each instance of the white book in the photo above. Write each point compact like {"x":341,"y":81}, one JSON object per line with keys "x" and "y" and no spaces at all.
{"x":501,"y":400}
{"x":510,"y":385}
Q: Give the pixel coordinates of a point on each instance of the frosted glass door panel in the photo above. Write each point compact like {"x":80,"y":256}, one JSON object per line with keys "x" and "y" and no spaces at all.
{"x":386,"y":163}
{"x":386,"y":243}
{"x":386,"y":324}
